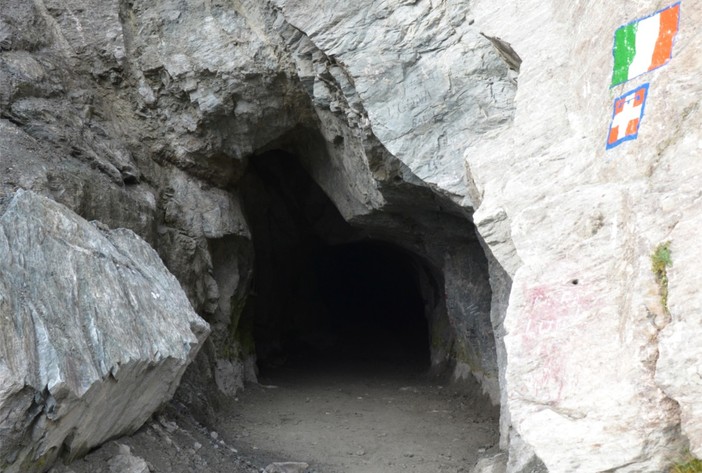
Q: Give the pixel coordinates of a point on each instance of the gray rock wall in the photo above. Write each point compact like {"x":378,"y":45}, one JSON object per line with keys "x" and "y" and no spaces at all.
{"x":573,"y":225}
{"x":428,"y":82}
{"x":154,"y":109}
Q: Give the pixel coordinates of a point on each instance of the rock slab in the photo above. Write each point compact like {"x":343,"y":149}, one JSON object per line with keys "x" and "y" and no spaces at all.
{"x":96,"y":333}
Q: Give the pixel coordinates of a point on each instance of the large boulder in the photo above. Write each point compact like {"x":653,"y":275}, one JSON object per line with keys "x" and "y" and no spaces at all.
{"x":96,"y":333}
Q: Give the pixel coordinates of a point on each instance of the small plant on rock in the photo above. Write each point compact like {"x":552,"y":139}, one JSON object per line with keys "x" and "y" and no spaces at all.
{"x":691,"y":465}
{"x":660,"y":261}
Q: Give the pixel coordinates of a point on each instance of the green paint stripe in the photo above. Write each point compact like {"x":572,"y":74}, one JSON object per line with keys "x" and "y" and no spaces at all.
{"x":624,"y":52}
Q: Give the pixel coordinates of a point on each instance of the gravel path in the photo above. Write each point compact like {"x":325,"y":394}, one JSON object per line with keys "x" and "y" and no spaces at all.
{"x":360,"y":419}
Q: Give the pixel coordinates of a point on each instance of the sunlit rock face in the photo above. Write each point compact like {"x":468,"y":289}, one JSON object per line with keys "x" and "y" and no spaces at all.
{"x":597,"y":375}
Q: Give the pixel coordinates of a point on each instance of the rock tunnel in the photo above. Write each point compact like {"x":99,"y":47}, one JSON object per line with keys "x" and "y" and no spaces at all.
{"x":407,"y":286}
{"x":319,"y":290}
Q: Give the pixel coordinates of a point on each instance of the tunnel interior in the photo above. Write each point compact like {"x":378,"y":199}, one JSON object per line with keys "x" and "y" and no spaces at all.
{"x":323,"y":290}
{"x":371,"y":291}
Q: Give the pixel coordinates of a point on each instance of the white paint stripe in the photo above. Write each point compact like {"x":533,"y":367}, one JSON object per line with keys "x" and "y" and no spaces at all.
{"x":646,"y":38}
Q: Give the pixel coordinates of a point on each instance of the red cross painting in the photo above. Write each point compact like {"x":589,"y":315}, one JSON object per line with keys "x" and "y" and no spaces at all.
{"x":628,"y":112}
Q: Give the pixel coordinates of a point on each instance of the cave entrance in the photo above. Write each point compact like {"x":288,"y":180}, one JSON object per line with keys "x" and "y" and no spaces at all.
{"x":323,"y":293}
{"x":347,"y":319}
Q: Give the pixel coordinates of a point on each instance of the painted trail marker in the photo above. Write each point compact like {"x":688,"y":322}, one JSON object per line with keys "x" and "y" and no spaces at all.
{"x":644,"y":44}
{"x":628,"y":112}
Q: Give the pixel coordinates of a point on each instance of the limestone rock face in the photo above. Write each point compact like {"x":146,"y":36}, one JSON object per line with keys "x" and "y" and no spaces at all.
{"x":96,"y":333}
{"x":678,"y":365}
{"x":594,"y":364}
{"x":218,"y":80}
{"x":384,"y":98}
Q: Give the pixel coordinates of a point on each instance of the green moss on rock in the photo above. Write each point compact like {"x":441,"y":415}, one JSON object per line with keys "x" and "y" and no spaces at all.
{"x":661,"y":259}
{"x":689,"y":465}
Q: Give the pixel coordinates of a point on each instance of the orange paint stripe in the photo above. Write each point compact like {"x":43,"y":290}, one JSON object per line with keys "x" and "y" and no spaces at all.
{"x":664,"y":45}
{"x":632,"y":127}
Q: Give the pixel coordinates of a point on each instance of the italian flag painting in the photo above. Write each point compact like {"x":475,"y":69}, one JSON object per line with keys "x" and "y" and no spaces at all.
{"x":627,"y":116}
{"x":644,"y":44}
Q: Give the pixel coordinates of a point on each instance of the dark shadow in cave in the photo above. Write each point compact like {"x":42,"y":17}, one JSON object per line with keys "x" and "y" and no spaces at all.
{"x":372,"y":290}
{"x":323,"y":294}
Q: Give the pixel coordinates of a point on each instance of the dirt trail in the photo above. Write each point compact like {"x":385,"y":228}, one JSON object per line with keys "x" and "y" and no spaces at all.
{"x":359,"y":418}
{"x":372,"y":417}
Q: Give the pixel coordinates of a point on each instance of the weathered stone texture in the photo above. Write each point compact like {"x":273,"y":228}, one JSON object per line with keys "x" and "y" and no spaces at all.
{"x":579,"y":225}
{"x":678,"y":366}
{"x":144,"y":114}
{"x":96,"y":333}
{"x":428,"y":81}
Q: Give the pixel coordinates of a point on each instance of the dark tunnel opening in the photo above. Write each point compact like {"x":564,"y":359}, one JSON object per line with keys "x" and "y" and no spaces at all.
{"x":323,"y":292}
{"x":372,"y":292}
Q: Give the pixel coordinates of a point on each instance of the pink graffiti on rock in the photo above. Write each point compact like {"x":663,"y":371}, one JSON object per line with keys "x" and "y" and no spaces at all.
{"x":548,"y":322}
